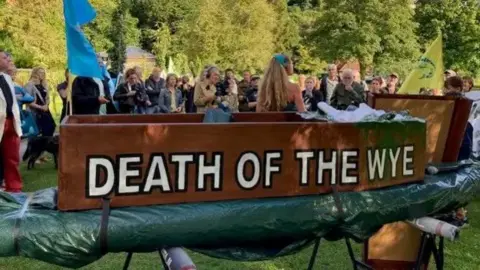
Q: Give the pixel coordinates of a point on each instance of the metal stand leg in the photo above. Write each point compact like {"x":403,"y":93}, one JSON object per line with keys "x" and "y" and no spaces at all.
{"x":314,"y":254}
{"x":355,"y":262}
{"x":164,"y":262}
{"x":127,"y":260}
{"x":423,"y":244}
{"x":438,"y":253}
{"x":441,"y":255}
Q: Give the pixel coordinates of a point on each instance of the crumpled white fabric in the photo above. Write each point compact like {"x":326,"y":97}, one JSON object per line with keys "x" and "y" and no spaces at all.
{"x":357,"y":115}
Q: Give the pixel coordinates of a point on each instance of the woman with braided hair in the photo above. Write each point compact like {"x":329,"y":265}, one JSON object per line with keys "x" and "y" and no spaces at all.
{"x":276,"y":93}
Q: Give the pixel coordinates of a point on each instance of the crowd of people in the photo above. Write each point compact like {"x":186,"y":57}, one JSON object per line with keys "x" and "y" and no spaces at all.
{"x":25,"y":110}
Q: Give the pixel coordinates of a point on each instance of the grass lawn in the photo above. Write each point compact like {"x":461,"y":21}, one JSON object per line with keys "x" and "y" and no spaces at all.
{"x":464,"y":254}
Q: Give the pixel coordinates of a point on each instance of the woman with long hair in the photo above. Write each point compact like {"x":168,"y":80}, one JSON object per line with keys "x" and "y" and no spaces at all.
{"x":276,"y":93}
{"x":37,"y":87}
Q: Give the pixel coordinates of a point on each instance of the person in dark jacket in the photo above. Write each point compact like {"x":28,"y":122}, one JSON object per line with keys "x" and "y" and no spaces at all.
{"x":188,"y":91}
{"x":329,"y":82}
{"x":311,"y":96}
{"x":223,"y":85}
{"x":131,"y":93}
{"x":251,"y":95}
{"x":62,"y":91}
{"x":153,"y":86}
{"x":86,"y":96}
{"x":347,"y":92}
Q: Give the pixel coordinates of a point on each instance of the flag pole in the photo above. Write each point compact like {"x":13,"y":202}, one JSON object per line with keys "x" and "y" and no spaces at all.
{"x":71,"y":78}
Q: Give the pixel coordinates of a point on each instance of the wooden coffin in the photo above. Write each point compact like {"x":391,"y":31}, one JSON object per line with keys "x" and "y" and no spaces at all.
{"x":396,"y":245}
{"x":140,"y":160}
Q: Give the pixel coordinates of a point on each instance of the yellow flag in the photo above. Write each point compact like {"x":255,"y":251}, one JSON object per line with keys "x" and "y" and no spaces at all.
{"x":71,"y":78}
{"x":428,"y":73}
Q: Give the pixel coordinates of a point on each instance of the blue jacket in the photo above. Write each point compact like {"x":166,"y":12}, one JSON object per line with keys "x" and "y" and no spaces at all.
{"x":26,"y":97}
{"x":165,"y":100}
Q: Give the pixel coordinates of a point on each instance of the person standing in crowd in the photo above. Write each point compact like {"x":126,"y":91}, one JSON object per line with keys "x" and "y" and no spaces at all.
{"x":153,"y":87}
{"x":62,"y":91}
{"x":127,"y":91}
{"x":22,"y":96}
{"x":171,"y":98}
{"x":38,"y":87}
{"x":392,"y":82}
{"x":376,"y":85}
{"x":29,"y":125}
{"x":187,"y":91}
{"x":467,"y":84}
{"x":347,"y":92}
{"x":107,"y":86}
{"x":244,"y":85}
{"x":205,"y":91}
{"x":329,"y":82}
{"x":311,"y":96}
{"x":251,"y":95}
{"x":10,"y":129}
{"x":223,"y":86}
{"x":230,"y":100}
{"x":87,"y":96}
{"x":276,"y":93}
{"x":454,"y":86}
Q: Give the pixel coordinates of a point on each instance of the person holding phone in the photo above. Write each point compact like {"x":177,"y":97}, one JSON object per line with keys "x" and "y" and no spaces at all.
{"x":205,"y":91}
{"x":130,"y":93}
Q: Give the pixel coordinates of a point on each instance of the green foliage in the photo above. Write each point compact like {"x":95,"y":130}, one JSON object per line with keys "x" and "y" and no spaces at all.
{"x":459,"y":21}
{"x":33,"y":31}
{"x":383,"y":35}
{"x":305,"y":16}
{"x":117,"y":34}
{"x":375,"y":32}
{"x":162,"y":42}
{"x":232,"y":34}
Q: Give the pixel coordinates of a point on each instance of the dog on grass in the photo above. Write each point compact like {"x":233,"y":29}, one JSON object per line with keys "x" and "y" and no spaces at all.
{"x":38,"y":145}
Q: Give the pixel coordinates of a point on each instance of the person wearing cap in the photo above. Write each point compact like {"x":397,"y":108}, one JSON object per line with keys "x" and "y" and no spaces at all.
{"x":392,"y":82}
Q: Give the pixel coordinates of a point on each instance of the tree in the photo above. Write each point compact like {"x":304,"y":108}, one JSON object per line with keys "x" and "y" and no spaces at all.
{"x":304,"y":15}
{"x":32,"y":41}
{"x":99,"y":30}
{"x":118,"y":34}
{"x":459,"y":21}
{"x":229,"y":33}
{"x":374,"y":32}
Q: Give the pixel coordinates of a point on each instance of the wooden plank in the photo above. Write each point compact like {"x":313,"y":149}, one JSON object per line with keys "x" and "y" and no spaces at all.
{"x":179,"y":118}
{"x":437,"y":113}
{"x":132,"y":153}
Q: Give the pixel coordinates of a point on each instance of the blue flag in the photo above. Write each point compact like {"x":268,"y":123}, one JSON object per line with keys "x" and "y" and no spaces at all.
{"x":82,"y":59}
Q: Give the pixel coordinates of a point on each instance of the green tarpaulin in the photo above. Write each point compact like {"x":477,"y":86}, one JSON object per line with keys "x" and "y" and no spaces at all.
{"x":238,"y":230}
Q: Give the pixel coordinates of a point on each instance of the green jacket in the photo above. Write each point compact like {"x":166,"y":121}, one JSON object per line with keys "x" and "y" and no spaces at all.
{"x":342,"y":98}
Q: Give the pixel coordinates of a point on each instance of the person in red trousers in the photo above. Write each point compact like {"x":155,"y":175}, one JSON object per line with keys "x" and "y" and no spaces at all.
{"x":10,"y":128}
